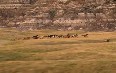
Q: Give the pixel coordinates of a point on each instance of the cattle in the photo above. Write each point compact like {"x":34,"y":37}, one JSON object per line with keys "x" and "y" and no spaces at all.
{"x":85,"y":35}
{"x":35,"y":37}
{"x":52,"y":36}
{"x":55,"y":36}
{"x":45,"y":36}
{"x":107,"y":40}
{"x":75,"y":35}
{"x":60,"y":36}
{"x":68,"y":35}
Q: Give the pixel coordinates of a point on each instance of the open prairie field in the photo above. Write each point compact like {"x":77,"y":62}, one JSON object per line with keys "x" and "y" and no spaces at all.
{"x":57,"y":55}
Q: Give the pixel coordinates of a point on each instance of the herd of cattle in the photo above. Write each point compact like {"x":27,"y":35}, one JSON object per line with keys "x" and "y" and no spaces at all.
{"x":58,"y":36}
{"x":55,"y":36}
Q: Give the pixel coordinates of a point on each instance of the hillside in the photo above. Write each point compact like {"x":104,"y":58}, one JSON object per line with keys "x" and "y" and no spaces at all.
{"x":62,"y":14}
{"x":57,"y":36}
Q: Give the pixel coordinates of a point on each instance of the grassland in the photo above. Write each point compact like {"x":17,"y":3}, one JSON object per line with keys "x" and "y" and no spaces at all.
{"x":57,"y":55}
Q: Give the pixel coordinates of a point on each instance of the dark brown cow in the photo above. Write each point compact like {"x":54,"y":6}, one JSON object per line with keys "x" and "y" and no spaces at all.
{"x":60,"y":36}
{"x":107,"y":40}
{"x":68,"y":35}
{"x":85,"y":35}
{"x":35,"y":37}
{"x":50,"y":36}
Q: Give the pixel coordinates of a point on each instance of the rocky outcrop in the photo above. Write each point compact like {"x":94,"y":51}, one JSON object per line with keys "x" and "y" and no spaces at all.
{"x":58,"y":14}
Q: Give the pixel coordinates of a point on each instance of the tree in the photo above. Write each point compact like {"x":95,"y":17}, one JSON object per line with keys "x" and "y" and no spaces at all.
{"x":52,"y":13}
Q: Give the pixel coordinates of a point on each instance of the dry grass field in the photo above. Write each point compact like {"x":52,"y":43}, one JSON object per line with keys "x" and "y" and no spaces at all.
{"x":57,"y":55}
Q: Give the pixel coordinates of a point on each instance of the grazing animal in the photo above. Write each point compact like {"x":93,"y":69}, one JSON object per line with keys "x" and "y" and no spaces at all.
{"x":60,"y":36}
{"x":107,"y":40}
{"x":35,"y":37}
{"x":68,"y":35}
{"x":85,"y":35}
{"x":45,"y":36}
{"x":50,"y":36}
{"x":56,"y":36}
{"x":75,"y":35}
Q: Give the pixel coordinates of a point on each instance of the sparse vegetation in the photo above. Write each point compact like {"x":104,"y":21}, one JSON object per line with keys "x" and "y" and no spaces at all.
{"x":57,"y":55}
{"x":98,"y":15}
{"x":53,"y":36}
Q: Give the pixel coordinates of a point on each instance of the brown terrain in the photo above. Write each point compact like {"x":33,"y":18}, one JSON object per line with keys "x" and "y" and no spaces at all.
{"x":59,"y":14}
{"x":57,"y":36}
